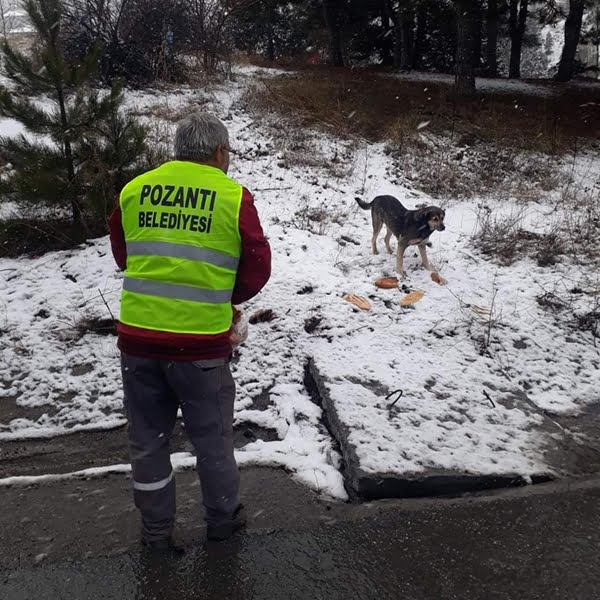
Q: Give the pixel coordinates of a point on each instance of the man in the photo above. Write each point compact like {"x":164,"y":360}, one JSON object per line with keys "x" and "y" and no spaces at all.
{"x":190,"y":242}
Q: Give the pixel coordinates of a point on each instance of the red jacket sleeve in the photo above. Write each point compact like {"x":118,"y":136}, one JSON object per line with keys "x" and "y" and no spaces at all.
{"x":117,"y":238}
{"x":254,"y":268}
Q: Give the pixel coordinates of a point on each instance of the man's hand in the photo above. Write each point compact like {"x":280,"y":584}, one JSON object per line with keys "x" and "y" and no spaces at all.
{"x":237,"y":315}
{"x":239,"y":331}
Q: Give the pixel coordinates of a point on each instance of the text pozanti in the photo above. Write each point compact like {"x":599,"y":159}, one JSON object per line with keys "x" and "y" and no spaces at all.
{"x":177,"y":197}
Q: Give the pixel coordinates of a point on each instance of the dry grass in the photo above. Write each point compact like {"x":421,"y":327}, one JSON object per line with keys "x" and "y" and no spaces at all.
{"x":578,"y":306}
{"x":490,"y":144}
{"x":316,"y":219}
{"x":444,"y":170}
{"x":379,"y":108}
{"x":299,"y":146}
{"x":581,"y":224}
{"x":504,"y":238}
{"x":574,"y":231}
{"x":589,"y":321}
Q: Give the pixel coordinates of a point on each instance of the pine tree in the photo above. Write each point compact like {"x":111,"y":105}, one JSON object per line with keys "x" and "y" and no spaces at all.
{"x":79,"y":148}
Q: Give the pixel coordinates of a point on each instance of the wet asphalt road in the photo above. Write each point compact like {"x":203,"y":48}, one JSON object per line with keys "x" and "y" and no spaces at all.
{"x":541,"y":543}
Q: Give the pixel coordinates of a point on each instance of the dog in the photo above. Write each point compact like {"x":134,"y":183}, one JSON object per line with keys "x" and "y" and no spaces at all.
{"x":409,"y":227}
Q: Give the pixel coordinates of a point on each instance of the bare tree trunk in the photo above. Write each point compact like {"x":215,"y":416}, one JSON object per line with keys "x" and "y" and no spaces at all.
{"x":566,"y":66}
{"x":465,"y":74}
{"x":404,"y":22}
{"x":333,"y":11}
{"x":407,"y":20}
{"x":492,"y":38}
{"x":421,"y":31}
{"x":477,"y":32}
{"x":386,"y":25}
{"x":385,"y":16}
{"x":397,"y":20}
{"x":517,"y":26}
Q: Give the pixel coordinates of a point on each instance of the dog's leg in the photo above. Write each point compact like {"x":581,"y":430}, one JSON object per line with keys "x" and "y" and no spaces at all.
{"x":424,"y":259}
{"x":388,"y":237}
{"x":400,"y":260}
{"x":377,"y":225}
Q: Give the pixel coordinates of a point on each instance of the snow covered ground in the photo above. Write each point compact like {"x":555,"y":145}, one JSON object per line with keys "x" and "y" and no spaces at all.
{"x":461,"y":355}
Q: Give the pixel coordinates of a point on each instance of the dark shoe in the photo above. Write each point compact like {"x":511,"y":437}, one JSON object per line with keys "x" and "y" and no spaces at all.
{"x":164,"y":547}
{"x":223,"y":531}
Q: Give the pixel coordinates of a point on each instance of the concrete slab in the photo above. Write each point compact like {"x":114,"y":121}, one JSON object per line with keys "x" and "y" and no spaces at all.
{"x":437,"y":438}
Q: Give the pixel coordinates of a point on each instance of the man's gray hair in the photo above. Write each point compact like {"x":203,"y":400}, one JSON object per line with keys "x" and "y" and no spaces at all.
{"x":198,"y":136}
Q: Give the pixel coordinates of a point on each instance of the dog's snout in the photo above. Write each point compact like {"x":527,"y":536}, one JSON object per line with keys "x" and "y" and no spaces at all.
{"x":442,"y":227}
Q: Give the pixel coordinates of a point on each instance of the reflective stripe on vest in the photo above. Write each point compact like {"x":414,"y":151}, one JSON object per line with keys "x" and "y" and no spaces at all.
{"x":182,"y":251}
{"x":181,"y":224}
{"x":178,"y":292}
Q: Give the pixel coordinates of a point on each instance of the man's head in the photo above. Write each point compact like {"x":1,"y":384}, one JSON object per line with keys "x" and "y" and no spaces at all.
{"x":202,"y":138}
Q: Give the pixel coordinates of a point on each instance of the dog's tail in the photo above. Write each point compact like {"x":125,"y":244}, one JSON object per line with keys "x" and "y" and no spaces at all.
{"x":364,"y":205}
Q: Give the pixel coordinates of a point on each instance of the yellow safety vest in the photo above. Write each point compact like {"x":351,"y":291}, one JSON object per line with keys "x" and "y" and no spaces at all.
{"x":181,"y":224}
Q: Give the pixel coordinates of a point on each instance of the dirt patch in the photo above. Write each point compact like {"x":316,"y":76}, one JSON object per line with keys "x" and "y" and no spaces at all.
{"x":86,"y":449}
{"x":265,"y":315}
{"x":9,"y":410}
{"x":262,"y":401}
{"x":246,"y":433}
{"x":312,"y":324}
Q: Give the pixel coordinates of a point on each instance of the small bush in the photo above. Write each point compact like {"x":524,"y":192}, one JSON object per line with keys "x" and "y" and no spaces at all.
{"x":36,"y":236}
{"x":503,"y":238}
{"x":314,"y":219}
{"x":581,"y":205}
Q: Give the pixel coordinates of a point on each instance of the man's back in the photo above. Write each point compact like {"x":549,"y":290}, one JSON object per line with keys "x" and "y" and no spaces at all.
{"x":190,"y":225}
{"x":181,"y":230}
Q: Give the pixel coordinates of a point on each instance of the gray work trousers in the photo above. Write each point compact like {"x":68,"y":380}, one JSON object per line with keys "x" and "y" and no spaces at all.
{"x":205,"y":391}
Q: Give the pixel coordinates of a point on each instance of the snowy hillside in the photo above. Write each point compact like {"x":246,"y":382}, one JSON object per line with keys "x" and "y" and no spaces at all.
{"x":482,"y":364}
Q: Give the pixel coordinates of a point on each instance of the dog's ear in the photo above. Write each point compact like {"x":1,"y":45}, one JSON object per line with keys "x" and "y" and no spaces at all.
{"x":434,"y":211}
{"x":427,"y":213}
